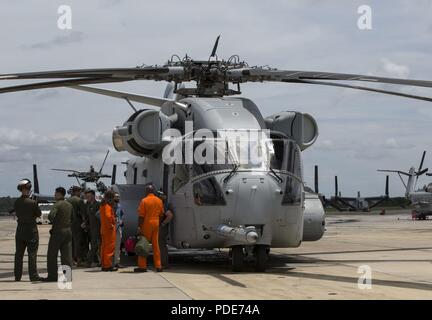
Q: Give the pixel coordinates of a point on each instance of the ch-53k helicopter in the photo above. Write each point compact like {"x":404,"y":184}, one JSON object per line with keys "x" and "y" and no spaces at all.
{"x":246,"y":205}
{"x":92,"y":176}
{"x":421,"y":199}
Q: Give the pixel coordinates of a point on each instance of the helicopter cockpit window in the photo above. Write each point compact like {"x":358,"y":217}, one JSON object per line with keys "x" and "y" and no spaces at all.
{"x":208,"y":193}
{"x":211,"y":155}
{"x":276,"y":159}
{"x":225,"y":153}
{"x":286,"y":156}
{"x":181,"y":177}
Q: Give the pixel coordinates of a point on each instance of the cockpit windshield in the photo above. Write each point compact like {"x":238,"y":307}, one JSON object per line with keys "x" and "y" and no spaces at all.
{"x":233,"y":149}
{"x":236,"y":151}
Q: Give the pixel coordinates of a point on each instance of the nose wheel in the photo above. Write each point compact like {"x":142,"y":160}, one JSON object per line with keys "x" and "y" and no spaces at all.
{"x":261,"y":253}
{"x":237,"y":258}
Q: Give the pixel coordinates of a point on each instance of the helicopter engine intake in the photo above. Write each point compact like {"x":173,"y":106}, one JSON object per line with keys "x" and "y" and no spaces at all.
{"x":141,"y":134}
{"x":298,"y":126}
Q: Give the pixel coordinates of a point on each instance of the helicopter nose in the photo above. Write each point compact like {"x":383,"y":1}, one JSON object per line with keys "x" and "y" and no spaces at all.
{"x":255,"y":197}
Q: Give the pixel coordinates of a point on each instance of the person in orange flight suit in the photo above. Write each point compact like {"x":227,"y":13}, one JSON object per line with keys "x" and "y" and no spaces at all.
{"x":107,"y":231}
{"x":150,"y":211}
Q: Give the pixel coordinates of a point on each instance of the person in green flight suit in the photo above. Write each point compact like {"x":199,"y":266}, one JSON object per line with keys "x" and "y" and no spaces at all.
{"x":26,"y":236}
{"x":61,"y":234}
{"x":78,"y":228}
{"x":93,"y":226}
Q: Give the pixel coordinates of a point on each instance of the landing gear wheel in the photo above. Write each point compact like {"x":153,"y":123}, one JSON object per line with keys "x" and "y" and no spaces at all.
{"x":261,"y":252}
{"x":237,"y":253}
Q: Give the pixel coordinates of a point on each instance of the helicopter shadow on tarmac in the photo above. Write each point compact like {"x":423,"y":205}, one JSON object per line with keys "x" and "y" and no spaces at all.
{"x":215,"y":263}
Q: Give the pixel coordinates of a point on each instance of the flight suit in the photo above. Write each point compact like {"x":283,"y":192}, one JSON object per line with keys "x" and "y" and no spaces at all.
{"x":61,"y":237}
{"x":151,"y":209}
{"x":93,"y":225}
{"x":26,"y":236}
{"x":78,"y":233}
{"x":108,"y":235}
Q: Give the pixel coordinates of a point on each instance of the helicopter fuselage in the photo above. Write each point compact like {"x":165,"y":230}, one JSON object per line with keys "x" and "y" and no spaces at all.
{"x":216,"y":206}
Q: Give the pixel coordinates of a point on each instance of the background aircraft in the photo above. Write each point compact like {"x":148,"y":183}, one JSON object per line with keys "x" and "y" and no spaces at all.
{"x":92,"y":176}
{"x":358,"y":203}
{"x":421,"y":199}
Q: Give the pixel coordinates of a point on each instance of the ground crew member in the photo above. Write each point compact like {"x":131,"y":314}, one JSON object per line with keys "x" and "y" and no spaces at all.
{"x":78,"y":233}
{"x":93,"y":227}
{"x":26,"y":236}
{"x":150,"y":210}
{"x":61,"y":234}
{"x":107,"y":231}
{"x":119,"y":229}
{"x":164,"y":229}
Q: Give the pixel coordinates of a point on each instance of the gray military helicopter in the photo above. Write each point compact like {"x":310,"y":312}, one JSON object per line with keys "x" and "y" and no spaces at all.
{"x":91,"y":176}
{"x":421,"y":199}
{"x":246,"y":205}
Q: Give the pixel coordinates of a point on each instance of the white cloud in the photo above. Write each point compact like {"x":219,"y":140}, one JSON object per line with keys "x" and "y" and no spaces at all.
{"x":393,"y":69}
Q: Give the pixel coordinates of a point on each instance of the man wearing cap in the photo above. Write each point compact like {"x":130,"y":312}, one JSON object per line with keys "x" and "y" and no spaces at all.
{"x":78,"y":218}
{"x":27,"y":236}
{"x":61,"y":234}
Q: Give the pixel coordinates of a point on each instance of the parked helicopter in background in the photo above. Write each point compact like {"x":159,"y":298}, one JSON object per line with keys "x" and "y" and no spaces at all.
{"x":358,"y":203}
{"x":247,"y":206}
{"x":421,"y":199}
{"x":92,"y":176}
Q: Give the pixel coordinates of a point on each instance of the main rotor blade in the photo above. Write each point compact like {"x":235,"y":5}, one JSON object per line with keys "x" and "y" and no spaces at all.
{"x":261,"y":74}
{"x":113,"y":175}
{"x":131,"y":73}
{"x":103,"y":163}
{"x":56,"y":84}
{"x":395,"y":171}
{"x":35,"y":179}
{"x":341,"y":85}
{"x":419,"y":173}
{"x":387,"y":186}
{"x":422,"y":160}
{"x":65,"y":170}
{"x":153,"y":101}
{"x":91,"y":76}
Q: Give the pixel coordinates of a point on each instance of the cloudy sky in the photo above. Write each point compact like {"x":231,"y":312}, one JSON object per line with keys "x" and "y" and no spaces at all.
{"x":359,"y":132}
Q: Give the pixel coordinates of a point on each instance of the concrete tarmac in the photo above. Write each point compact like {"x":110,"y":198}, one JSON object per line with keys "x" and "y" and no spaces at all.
{"x":397,"y":251}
